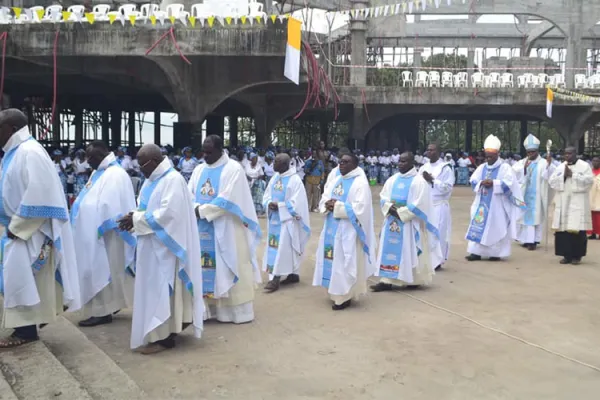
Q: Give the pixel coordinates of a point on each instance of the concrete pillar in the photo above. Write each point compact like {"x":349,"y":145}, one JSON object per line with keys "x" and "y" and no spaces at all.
{"x":115,"y":128}
{"x":358,"y":32}
{"x":523,"y":134}
{"x":323,"y":130}
{"x":268,"y":6}
{"x":56,"y":129}
{"x":576,"y":62}
{"x":417,"y":60}
{"x":157,"y":128}
{"x":105,"y":127}
{"x":78,"y":120}
{"x":470,"y":64}
{"x":131,"y":128}
{"x":187,"y":134}
{"x":233,"y":131}
{"x":264,"y":127}
{"x":581,"y":145}
{"x":469,"y":136}
{"x":215,"y":125}
{"x":358,"y":129}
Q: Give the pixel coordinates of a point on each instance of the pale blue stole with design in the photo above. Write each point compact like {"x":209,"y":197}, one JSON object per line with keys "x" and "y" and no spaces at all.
{"x":479,"y":220}
{"x":393,"y":231}
{"x":531,"y":193}
{"x":340,"y":193}
{"x":278,"y":191}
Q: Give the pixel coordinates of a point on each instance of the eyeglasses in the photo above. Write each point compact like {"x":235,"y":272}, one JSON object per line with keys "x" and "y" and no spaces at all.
{"x":344,"y":162}
{"x":144,"y":165}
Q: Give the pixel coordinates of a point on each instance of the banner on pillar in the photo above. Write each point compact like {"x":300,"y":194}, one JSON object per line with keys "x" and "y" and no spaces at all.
{"x":549,"y":100}
{"x":292,"y":51}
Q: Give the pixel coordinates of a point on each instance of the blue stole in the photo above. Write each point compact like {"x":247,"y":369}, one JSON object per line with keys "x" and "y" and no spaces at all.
{"x":5,"y":221}
{"x":206,"y":191}
{"x":530,"y":193}
{"x":479,"y":221}
{"x":393,"y":231}
{"x":147,"y":191}
{"x":278,"y":191}
{"x":340,"y":193}
{"x":95,"y":177}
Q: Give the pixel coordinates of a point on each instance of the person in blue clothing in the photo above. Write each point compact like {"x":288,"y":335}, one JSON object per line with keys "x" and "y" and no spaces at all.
{"x":315,"y":173}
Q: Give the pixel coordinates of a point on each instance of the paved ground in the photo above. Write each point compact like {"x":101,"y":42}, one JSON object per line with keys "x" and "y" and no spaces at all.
{"x":391,"y":345}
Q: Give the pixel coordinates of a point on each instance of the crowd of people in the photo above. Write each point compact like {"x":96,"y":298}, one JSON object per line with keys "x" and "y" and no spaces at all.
{"x":184,"y":249}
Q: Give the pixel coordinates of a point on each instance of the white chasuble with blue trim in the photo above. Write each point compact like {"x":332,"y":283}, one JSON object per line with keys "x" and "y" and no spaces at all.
{"x":479,"y":220}
{"x":278,"y":191}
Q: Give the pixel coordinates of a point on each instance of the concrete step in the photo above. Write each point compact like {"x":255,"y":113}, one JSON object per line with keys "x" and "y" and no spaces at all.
{"x":6,"y":392}
{"x":97,"y":372}
{"x":35,"y":374}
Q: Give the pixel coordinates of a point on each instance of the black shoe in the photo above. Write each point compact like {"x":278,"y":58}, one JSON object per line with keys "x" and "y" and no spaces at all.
{"x":494,"y":259}
{"x":438,"y":267}
{"x":592,"y":236}
{"x":291,"y":278}
{"x":338,"y":307}
{"x":576,"y":261}
{"x":381,"y":287}
{"x":94,"y":321}
{"x":565,"y":261}
{"x":473,"y":257}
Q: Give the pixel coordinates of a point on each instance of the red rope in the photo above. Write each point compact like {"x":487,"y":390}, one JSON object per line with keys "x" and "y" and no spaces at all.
{"x":157,"y":42}
{"x":177,"y":46}
{"x":3,"y":37}
{"x":54,"y":85}
{"x":364,"y":99}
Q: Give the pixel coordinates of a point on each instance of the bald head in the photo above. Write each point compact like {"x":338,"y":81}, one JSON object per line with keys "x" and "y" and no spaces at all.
{"x":149,"y":158}
{"x":406,"y":162}
{"x":282,"y":163}
{"x":11,"y":120}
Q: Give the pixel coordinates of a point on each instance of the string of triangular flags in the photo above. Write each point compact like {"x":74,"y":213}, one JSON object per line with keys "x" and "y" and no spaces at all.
{"x":68,"y":16}
{"x":569,"y":95}
{"x":404,"y":7}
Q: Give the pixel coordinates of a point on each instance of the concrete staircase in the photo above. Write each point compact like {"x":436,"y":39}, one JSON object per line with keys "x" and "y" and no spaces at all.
{"x":66,"y":365}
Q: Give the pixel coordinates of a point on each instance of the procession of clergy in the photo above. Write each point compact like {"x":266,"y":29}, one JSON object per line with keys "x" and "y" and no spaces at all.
{"x":186,"y":252}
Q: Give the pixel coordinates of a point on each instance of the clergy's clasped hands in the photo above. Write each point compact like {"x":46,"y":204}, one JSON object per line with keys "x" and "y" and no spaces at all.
{"x":330,"y":204}
{"x":428,"y":177}
{"x":273,"y":206}
{"x":487,"y":183}
{"x":393,"y":211}
{"x":126,"y":223}
{"x":568,"y":172}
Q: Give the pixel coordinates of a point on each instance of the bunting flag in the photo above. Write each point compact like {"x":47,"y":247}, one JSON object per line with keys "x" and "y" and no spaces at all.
{"x":90,"y":17}
{"x":112,"y":18}
{"x":17,"y":11}
{"x":191,"y":18}
{"x":211,"y":21}
{"x":549,"y":100}
{"x":132,"y":20}
{"x":172,"y":19}
{"x":243,"y":19}
{"x":66,"y":15}
{"x":40,"y":15}
{"x":153,"y":20}
{"x":292,"y":51}
{"x":228,"y":20}
{"x":569,"y":95}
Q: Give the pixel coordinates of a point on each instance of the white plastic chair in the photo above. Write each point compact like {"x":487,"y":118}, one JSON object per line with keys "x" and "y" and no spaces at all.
{"x":256,"y":9}
{"x":535,"y":82}
{"x":552,"y":80}
{"x":200,"y":10}
{"x":407,"y":78}
{"x":506,"y":80}
{"x":446,"y":79}
{"x":149,"y":9}
{"x":594,"y":81}
{"x":559,"y":80}
{"x":461,"y":79}
{"x":528,"y":80}
{"x":34,"y":13}
{"x":5,"y":17}
{"x":53,"y":13}
{"x":580,"y":81}
{"x":128,"y":10}
{"x":487,"y":81}
{"x":422,"y":79}
{"x":543,"y":79}
{"x":434,"y":79}
{"x":477,"y":79}
{"x":494,"y":79}
{"x":76,"y":12}
{"x":175,"y":10}
{"x":521,"y":81}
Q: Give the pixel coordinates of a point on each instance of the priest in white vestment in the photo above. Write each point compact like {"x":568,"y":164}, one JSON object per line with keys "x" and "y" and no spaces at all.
{"x":288,"y":227}
{"x":572,"y":182}
{"x":229,"y":235}
{"x":533,"y":173}
{"x":497,"y":207}
{"x":105,"y":254}
{"x":440,"y":175}
{"x":409,"y":242}
{"x":346,"y":251}
{"x":168,"y":278}
{"x":38,"y":271}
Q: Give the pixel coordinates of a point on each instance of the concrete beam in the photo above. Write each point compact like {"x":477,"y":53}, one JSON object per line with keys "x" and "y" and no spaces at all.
{"x":102,"y":39}
{"x":534,"y":34}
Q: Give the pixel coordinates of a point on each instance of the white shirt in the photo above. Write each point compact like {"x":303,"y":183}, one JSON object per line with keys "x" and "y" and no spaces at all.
{"x":464,"y":162}
{"x":395,"y":158}
{"x":81,"y":166}
{"x":269,"y":171}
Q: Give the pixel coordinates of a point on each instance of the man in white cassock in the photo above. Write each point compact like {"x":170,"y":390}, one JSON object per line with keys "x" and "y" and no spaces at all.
{"x":288,"y":226}
{"x":572,"y":182}
{"x":105,"y":254}
{"x":346,"y":251}
{"x":229,"y":234}
{"x":407,"y":249}
{"x":440,"y":176}
{"x":38,"y":271}
{"x":168,"y":278}
{"x":497,"y":206}
{"x":533,"y":174}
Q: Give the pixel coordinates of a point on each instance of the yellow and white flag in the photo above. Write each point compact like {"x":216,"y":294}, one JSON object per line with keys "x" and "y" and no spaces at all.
{"x":549,"y":100}
{"x":292,"y":51}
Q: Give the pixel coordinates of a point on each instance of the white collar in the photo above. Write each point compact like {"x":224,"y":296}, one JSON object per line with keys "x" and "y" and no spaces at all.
{"x":17,"y":138}
{"x":289,"y":172}
{"x":107,"y":160}
{"x":163,"y":167}
{"x":352,"y":174}
{"x":408,"y":174}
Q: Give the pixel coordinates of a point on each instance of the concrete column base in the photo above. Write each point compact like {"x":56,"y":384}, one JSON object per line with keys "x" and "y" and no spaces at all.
{"x":187,"y":134}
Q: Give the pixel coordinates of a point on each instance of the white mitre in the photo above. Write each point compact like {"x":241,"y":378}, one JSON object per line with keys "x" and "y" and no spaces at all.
{"x":492,"y":144}
{"x":531,"y":143}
